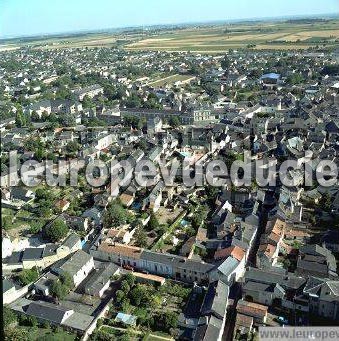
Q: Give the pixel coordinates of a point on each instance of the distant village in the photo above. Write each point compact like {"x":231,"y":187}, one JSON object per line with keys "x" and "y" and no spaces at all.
{"x":167,"y":262}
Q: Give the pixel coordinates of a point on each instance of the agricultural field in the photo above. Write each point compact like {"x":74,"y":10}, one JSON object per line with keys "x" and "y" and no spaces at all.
{"x":72,"y":41}
{"x":209,"y":39}
{"x":259,"y":36}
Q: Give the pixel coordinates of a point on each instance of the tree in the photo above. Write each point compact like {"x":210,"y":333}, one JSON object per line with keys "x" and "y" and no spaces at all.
{"x":15,"y":334}
{"x":116,"y":215}
{"x":27,"y":276}
{"x":133,"y":121}
{"x":294,"y":79}
{"x":133,"y":101}
{"x":142,"y":144}
{"x":327,"y":202}
{"x":35,"y":116}
{"x":45,"y":325}
{"x":40,"y":153}
{"x":56,"y":231}
{"x":152,"y":102}
{"x":130,"y":278}
{"x":140,"y":296}
{"x":32,"y":321}
{"x":225,"y":63}
{"x":125,"y":287}
{"x":20,"y":119}
{"x":174,"y":121}
{"x":153,"y":223}
{"x":67,"y":120}
{"x":66,"y":279}
{"x":167,"y":320}
{"x":199,"y":217}
{"x":43,"y":194}
{"x":8,"y":316}
{"x":72,"y":147}
{"x":59,"y":290}
{"x":119,"y":295}
{"x":141,"y":237}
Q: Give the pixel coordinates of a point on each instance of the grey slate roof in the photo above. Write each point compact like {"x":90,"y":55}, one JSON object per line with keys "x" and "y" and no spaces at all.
{"x":101,"y":277}
{"x":74,"y":263}
{"x":214,"y":328}
{"x":32,"y":253}
{"x":7,"y":285}
{"x":173,"y":260}
{"x":47,"y":311}
{"x":286,"y":280}
{"x":215,"y":301}
{"x":71,"y":240}
{"x":49,"y":250}
{"x":14,"y":258}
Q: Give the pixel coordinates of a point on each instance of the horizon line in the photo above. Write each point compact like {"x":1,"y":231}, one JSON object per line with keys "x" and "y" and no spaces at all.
{"x":107,"y":29}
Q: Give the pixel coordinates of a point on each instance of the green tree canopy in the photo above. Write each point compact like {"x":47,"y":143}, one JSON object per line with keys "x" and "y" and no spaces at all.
{"x":56,"y":231}
{"x":116,"y":215}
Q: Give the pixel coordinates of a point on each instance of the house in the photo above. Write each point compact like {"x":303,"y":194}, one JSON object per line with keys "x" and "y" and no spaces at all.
{"x":154,"y":154}
{"x":20,"y":193}
{"x":77,"y":265}
{"x":13,"y":262}
{"x":100,"y":281}
{"x":32,"y":257}
{"x":43,"y":285}
{"x":72,"y":243}
{"x":6,"y":245}
{"x":41,"y":107}
{"x":45,"y":311}
{"x":267,"y":255}
{"x":90,"y":91}
{"x":163,"y":264}
{"x":323,"y":296}
{"x":316,"y":260}
{"x":55,"y":314}
{"x":228,"y":271}
{"x":263,"y":293}
{"x":154,"y":125}
{"x":94,"y":214}
{"x":155,"y":196}
{"x":232,"y":251}
{"x":62,"y":205}
{"x":127,"y":198}
{"x":148,"y":278}
{"x":77,"y":223}
{"x":255,"y":310}
{"x":214,"y":308}
{"x":330,"y":240}
{"x":270,"y":243}
{"x":53,"y":253}
{"x":243,"y":323}
{"x":269,"y":286}
{"x":122,"y":235}
{"x":8,"y":291}
{"x":215,"y":300}
{"x":212,"y":331}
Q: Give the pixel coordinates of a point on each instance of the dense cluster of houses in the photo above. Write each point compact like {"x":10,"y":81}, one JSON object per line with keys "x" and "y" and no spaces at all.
{"x":255,"y":239}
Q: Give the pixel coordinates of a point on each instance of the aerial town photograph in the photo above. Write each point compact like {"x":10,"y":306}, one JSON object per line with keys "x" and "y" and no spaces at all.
{"x":169,"y":170}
